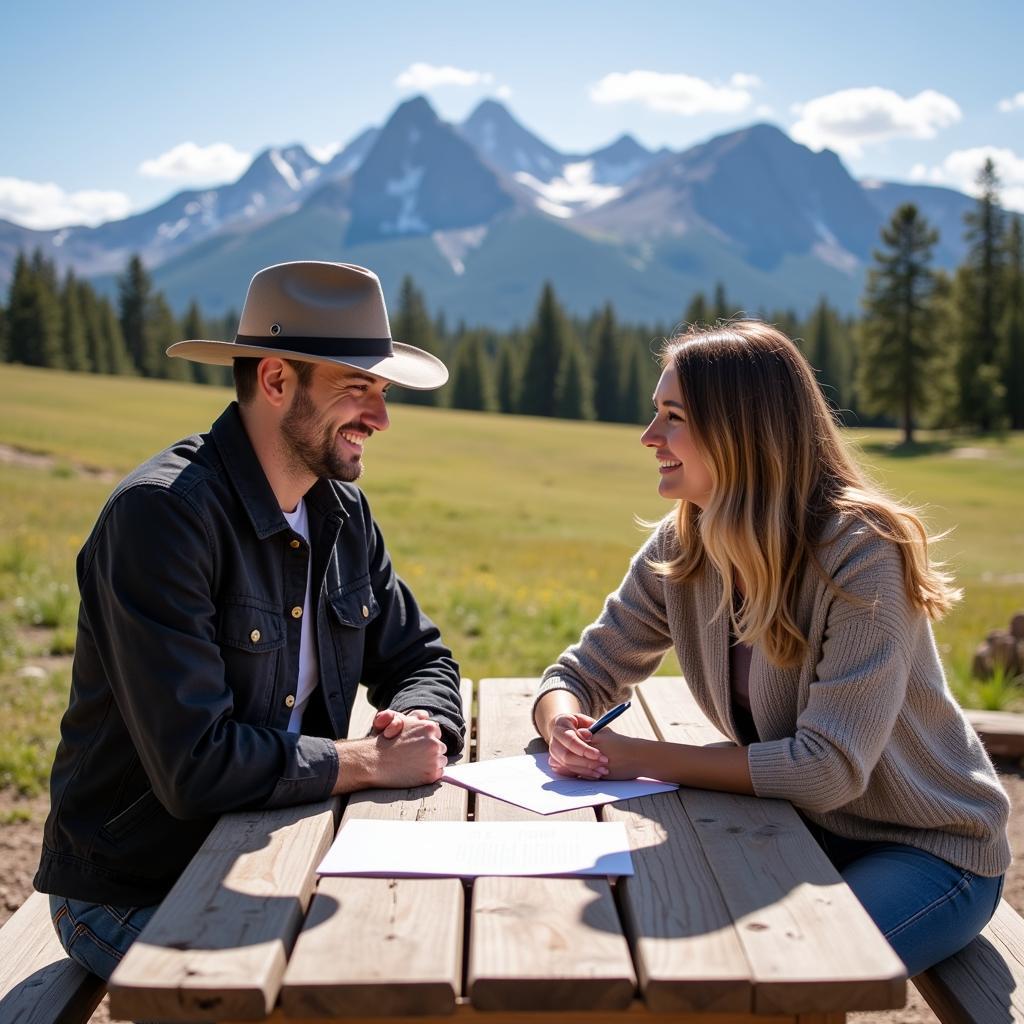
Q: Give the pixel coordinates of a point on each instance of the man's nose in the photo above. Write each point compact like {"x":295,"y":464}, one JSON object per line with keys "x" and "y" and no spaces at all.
{"x":377,"y":415}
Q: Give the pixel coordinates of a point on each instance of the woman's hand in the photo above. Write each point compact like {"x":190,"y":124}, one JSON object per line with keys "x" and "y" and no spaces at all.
{"x":569,"y":753}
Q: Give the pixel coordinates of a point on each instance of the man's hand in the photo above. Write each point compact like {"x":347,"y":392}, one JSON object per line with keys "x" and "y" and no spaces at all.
{"x":389,"y":723}
{"x":570,"y":751}
{"x":416,"y":756}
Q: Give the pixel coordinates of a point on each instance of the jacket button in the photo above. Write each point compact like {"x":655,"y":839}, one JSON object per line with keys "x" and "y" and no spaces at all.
{"x":254,"y":636}
{"x":289,"y":701}
{"x":297,"y":612}
{"x":295,"y":544}
{"x":366,"y":612}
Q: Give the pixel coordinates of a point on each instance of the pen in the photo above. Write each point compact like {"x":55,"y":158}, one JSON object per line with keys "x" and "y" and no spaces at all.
{"x":609,"y":716}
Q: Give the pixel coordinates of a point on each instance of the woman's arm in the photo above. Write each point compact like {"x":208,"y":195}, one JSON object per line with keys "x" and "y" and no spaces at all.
{"x":716,"y":767}
{"x":573,"y":751}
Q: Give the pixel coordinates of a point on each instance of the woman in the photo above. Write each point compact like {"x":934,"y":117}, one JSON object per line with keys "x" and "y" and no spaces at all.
{"x":798,"y":599}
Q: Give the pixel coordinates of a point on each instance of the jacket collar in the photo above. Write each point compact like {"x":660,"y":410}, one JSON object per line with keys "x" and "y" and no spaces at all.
{"x":249,"y":480}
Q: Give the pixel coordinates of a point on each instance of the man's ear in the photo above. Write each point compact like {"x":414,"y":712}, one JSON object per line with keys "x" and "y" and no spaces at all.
{"x":274,"y":379}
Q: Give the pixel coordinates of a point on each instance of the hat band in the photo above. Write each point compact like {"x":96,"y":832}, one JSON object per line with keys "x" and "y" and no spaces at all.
{"x":332,"y":347}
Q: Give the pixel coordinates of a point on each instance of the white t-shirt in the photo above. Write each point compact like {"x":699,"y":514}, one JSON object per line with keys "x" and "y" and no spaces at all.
{"x":309,"y":669}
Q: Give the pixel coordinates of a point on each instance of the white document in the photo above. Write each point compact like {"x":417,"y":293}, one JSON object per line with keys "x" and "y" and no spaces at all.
{"x":527,"y":780}
{"x":467,"y":849}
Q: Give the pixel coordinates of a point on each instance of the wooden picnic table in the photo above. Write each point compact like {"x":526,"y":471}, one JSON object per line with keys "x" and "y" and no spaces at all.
{"x":734,"y":913}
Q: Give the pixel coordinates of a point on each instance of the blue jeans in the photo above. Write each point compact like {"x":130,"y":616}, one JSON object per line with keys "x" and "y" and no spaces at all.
{"x":97,"y":935}
{"x":927,"y":908}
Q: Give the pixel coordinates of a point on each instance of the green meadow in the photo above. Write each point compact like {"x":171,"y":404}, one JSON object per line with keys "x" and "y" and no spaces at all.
{"x":511,"y":530}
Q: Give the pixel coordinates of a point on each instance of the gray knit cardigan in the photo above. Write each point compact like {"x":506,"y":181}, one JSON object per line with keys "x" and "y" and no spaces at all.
{"x":863,"y":737}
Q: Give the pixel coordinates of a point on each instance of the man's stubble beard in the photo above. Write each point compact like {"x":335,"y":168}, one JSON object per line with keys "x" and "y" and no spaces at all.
{"x":310,"y":448}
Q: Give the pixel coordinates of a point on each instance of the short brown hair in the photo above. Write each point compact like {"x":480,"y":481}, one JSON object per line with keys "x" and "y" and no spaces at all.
{"x":243,"y":369}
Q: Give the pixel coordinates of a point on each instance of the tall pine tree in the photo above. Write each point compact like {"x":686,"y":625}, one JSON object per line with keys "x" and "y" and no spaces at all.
{"x":75,"y":342}
{"x":412,"y":326}
{"x":897,"y":352}
{"x":607,"y":367}
{"x":981,"y":404}
{"x":573,"y":400}
{"x":33,"y":314}
{"x":507,"y":382}
{"x":135,"y":293}
{"x":824,"y":352}
{"x":548,"y":341}
{"x":1013,"y":325}
{"x":471,"y":388}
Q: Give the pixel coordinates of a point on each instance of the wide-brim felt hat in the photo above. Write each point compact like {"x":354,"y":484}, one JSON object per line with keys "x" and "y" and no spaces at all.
{"x":320,"y":313}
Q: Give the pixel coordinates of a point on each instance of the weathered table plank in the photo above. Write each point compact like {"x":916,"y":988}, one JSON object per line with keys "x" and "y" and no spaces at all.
{"x":218,"y":945}
{"x":402,"y":938}
{"x":787,"y":900}
{"x":539,"y":943}
{"x":38,"y":981}
{"x":687,"y":953}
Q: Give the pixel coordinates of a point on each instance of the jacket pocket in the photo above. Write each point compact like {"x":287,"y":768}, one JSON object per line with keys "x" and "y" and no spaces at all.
{"x":356,"y":608}
{"x":135,"y":814}
{"x":248,"y":625}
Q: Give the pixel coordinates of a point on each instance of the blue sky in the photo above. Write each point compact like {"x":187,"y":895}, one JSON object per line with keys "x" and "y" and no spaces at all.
{"x":111,"y":106}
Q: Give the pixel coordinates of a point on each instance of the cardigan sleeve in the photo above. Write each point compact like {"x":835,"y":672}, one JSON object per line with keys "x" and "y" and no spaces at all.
{"x":859,"y":686}
{"x":625,"y":644}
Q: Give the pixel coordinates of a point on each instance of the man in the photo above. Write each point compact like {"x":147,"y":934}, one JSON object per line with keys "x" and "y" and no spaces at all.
{"x":235,"y":590}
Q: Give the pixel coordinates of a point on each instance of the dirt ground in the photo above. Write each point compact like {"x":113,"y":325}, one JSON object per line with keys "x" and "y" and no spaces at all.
{"x":19,"y":854}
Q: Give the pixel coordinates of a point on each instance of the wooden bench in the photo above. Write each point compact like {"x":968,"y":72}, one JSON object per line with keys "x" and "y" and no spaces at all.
{"x":984,"y":982}
{"x":39,"y":983}
{"x":1002,"y":732}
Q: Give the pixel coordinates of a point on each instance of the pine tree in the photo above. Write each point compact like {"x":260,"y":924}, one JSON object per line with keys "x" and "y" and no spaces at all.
{"x":95,"y":341}
{"x":896,"y":352}
{"x":548,"y":340}
{"x":607,"y":367}
{"x":823,"y":341}
{"x":118,"y":357}
{"x":74,"y":341}
{"x":635,"y":403}
{"x":720,"y":303}
{"x":472,"y":387}
{"x":697,"y":314}
{"x":4,"y":342}
{"x":979,"y":403}
{"x":162,"y":326}
{"x":135,"y":295}
{"x":507,"y":384}
{"x":33,"y":314}
{"x":573,"y":395}
{"x":194,"y":328}
{"x":1013,"y":325}
{"x":412,"y":326}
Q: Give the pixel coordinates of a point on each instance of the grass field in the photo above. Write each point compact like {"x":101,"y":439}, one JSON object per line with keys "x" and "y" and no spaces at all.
{"x":511,"y":530}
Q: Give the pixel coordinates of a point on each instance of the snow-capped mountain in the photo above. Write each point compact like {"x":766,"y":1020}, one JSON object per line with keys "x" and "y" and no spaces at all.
{"x":559,"y":184}
{"x":420,"y":177}
{"x":482,"y":213}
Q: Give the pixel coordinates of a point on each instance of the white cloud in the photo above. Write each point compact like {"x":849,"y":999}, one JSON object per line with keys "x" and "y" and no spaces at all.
{"x":44,"y":205}
{"x":503,"y":92}
{"x":740,"y":80}
{"x":429,"y":76}
{"x":848,"y":120}
{"x":1012,"y":103}
{"x":961,"y":167}
{"x":674,"y":94}
{"x":189,"y":162}
{"x":324,"y":153}
{"x":764,"y":110}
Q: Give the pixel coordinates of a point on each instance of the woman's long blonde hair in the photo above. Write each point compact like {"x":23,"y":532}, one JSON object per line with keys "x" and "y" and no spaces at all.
{"x":780,"y":471}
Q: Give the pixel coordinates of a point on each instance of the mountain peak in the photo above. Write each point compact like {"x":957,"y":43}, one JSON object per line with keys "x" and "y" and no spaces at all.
{"x":416,"y":110}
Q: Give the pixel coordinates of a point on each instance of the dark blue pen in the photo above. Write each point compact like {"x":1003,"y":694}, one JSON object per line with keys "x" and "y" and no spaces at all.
{"x":608,"y":716}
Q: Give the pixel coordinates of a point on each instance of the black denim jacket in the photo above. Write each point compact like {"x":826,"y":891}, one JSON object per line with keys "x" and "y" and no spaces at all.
{"x":186,"y":663}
